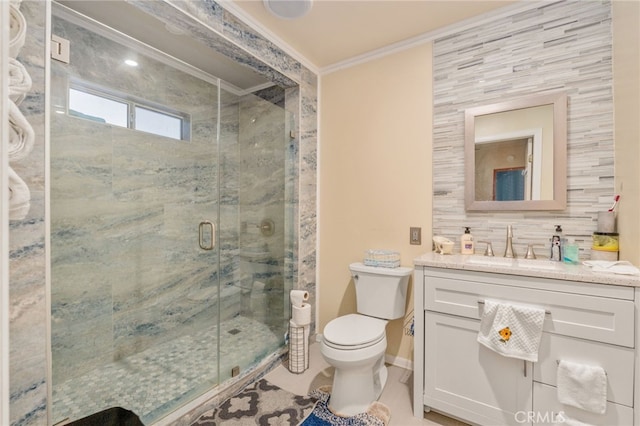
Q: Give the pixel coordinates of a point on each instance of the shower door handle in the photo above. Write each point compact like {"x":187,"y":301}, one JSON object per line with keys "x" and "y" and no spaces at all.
{"x":212,"y":235}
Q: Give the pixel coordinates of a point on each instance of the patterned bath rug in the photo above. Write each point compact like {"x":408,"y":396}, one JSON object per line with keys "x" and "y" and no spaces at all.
{"x":260,"y":404}
{"x":377,"y":414}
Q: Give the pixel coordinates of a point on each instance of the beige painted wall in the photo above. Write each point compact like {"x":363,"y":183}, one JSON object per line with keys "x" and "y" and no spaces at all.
{"x":626,"y":72}
{"x":374,"y":174}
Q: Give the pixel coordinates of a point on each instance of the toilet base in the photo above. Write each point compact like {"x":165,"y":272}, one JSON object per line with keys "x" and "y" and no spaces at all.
{"x":353,"y":391}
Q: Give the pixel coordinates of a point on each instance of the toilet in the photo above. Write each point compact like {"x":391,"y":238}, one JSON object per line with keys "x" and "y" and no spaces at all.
{"x":355,"y":344}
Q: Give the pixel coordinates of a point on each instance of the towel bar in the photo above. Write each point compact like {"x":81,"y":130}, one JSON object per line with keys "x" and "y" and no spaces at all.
{"x":546,"y":311}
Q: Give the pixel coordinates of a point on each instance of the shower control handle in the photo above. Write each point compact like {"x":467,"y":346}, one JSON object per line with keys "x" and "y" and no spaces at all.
{"x":267,"y":227}
{"x":212,"y":235}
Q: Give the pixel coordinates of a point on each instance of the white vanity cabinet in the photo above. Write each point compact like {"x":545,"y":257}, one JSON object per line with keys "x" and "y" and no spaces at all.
{"x":586,"y":322}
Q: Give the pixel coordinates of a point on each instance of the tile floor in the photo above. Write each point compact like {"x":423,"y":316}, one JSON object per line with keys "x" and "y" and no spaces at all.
{"x":153,"y":382}
{"x":397,"y":394}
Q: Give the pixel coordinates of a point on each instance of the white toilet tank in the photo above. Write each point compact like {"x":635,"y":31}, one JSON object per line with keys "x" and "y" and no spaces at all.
{"x":380,"y":292}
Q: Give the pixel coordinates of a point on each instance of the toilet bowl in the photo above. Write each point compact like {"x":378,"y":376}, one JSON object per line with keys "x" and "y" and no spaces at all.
{"x":355,"y":344}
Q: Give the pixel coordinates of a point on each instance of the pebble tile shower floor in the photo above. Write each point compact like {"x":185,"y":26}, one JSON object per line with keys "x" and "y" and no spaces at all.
{"x":154,"y":382}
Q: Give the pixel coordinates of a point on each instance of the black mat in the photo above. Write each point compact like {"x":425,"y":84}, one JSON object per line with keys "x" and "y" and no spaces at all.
{"x":115,"y":416}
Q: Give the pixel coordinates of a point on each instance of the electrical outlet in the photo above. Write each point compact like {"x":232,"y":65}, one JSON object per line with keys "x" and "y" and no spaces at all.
{"x":415,"y":236}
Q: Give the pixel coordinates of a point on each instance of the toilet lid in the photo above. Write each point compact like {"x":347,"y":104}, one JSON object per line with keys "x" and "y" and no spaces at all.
{"x":354,"y":330}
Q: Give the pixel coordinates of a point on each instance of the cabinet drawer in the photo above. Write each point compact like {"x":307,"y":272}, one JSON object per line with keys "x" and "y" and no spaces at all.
{"x":588,"y":317}
{"x":617,"y":361}
{"x":546,"y":408}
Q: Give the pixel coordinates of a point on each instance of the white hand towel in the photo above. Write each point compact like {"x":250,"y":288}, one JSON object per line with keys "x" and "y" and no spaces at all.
{"x":582,"y":386}
{"x":21,"y":134}
{"x":19,"y":197}
{"x":17,"y":30}
{"x":613,"y":267}
{"x":19,"y":81}
{"x":512,"y":330}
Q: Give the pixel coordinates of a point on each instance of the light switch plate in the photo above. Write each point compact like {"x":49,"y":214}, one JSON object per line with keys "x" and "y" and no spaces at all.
{"x":415,"y":235}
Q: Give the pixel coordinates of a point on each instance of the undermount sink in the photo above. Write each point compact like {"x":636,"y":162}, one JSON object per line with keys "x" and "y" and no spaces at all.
{"x":540,"y":264}
{"x":490,"y":261}
{"x":516,"y":263}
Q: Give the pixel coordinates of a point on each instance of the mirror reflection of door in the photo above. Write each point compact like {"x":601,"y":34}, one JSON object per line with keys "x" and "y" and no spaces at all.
{"x":506,"y":170}
{"x":508,"y":184}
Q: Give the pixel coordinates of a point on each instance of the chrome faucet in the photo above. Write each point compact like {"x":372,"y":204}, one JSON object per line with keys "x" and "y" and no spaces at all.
{"x":489,"y":250}
{"x":508,"y":251}
{"x":530,"y":253}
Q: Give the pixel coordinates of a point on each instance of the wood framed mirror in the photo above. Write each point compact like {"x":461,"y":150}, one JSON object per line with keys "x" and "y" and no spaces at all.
{"x":516,"y":154}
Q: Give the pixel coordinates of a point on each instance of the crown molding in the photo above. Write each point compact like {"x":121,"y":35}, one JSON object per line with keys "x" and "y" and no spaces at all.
{"x":427,"y":37}
{"x":519,"y":6}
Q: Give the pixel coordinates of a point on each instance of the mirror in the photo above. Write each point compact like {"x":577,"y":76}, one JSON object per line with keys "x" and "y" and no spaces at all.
{"x":516,"y":154}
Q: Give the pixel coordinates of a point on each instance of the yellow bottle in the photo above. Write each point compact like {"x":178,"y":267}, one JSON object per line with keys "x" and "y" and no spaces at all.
{"x":466,"y":242}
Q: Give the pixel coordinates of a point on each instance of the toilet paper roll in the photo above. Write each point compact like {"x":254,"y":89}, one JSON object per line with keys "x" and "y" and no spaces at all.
{"x":298,"y":297}
{"x":301,"y":316}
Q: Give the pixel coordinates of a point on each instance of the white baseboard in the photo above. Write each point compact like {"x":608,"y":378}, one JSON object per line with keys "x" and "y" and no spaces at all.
{"x":399,"y":362}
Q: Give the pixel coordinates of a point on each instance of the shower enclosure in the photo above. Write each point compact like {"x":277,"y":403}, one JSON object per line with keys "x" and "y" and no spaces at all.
{"x":169,"y":228}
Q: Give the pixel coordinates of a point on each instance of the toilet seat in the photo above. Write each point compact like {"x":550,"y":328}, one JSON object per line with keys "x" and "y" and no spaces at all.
{"x":354,"y":331}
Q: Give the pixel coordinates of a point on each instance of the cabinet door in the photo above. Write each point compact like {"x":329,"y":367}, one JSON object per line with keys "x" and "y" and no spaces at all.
{"x":466,"y":380}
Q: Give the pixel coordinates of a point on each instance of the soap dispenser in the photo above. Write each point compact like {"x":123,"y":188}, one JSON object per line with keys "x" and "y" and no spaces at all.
{"x":571,"y":252}
{"x":556,"y":245}
{"x":466,"y":242}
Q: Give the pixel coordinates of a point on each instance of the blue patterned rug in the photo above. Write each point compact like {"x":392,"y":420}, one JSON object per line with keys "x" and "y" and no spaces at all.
{"x":377,"y":414}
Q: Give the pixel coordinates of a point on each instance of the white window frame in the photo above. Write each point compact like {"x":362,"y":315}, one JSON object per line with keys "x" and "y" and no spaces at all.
{"x":132,"y":102}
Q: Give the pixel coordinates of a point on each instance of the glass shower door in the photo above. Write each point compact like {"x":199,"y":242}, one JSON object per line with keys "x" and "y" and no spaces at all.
{"x":134,"y":197}
{"x":255,"y":144}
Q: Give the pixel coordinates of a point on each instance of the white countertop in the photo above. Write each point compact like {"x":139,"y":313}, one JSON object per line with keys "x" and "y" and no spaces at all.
{"x":525,"y":267}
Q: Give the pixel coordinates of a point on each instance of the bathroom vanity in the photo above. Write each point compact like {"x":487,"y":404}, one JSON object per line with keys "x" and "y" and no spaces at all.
{"x":590,"y":319}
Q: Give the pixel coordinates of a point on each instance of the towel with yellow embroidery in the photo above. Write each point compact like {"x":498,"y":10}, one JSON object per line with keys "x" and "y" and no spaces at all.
{"x":511,"y":330}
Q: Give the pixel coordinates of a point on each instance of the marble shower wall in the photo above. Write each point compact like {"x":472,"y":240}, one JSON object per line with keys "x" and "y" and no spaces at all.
{"x":560,"y":46}
{"x":29,"y":313}
{"x":28,"y":316}
{"x":126,"y":272}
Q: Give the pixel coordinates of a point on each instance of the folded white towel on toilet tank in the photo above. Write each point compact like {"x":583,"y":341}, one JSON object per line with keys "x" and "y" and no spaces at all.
{"x":512,"y":330}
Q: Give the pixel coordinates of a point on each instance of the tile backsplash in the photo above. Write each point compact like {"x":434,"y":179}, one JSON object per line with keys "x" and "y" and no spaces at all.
{"x":561,"y":46}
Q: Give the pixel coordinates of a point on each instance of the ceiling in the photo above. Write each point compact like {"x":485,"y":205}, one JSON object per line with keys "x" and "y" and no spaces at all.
{"x":335,"y":31}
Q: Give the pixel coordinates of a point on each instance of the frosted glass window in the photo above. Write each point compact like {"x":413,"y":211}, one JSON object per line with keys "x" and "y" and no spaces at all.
{"x":158,"y":123}
{"x":122,"y":109}
{"x":98,"y":108}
